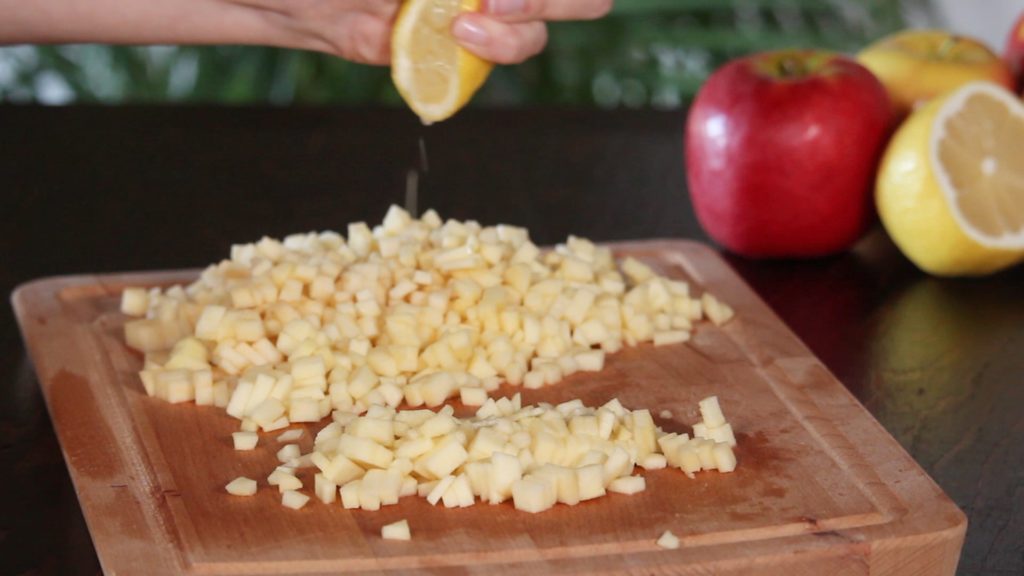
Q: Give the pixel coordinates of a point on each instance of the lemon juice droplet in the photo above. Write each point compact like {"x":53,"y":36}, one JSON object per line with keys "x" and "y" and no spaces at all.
{"x":414,"y":177}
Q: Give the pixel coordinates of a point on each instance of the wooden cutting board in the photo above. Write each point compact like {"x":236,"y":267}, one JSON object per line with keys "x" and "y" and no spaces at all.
{"x":821,"y":487}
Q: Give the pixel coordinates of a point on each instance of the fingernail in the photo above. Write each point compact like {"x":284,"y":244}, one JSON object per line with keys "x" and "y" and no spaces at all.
{"x":506,"y":6}
{"x":470,"y":32}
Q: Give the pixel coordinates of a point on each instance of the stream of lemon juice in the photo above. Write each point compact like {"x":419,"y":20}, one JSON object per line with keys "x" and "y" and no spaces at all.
{"x":414,"y":176}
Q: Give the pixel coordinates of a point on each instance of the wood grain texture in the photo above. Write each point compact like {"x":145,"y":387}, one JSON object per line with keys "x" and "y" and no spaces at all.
{"x":821,"y":487}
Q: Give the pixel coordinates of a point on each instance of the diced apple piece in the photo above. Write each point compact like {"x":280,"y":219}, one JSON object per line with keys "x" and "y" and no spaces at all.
{"x":439,"y":489}
{"x":590,"y":361}
{"x":436,"y":388}
{"x":591,"y":481}
{"x":627,"y":485}
{"x":534,"y":379}
{"x":668,"y":540}
{"x":584,"y":425}
{"x":644,"y":432}
{"x":532,"y":495}
{"x":241,"y":486}
{"x":221,"y":394}
{"x":240,"y":398}
{"x":473,"y":396}
{"x":202,"y":383}
{"x":149,"y":334}
{"x":618,"y":464}
{"x":134,"y":301}
{"x":437,"y":425}
{"x":379,"y":430}
{"x":654,"y":462}
{"x":718,"y":312}
{"x":396,"y":531}
{"x":369,"y":495}
{"x":423,"y":489}
{"x":711,"y":412}
{"x":723,"y":434}
{"x":278,"y":424}
{"x":445,"y":458}
{"x":245,"y":440}
{"x":725,"y":459}
{"x":350,"y":495}
{"x":566,"y":483}
{"x":342,"y":470}
{"x":705,"y":452}
{"x":326,"y":490}
{"x":288,"y":452}
{"x":635,"y":270}
{"x":389,"y":487}
{"x":304,"y":410}
{"x":364,"y":451}
{"x":505,"y":471}
{"x":668,"y":337}
{"x":294,"y":500}
{"x":414,"y":447}
{"x":284,"y":481}
{"x":177,"y":385}
{"x":689,"y":460}
{"x":459,"y":494}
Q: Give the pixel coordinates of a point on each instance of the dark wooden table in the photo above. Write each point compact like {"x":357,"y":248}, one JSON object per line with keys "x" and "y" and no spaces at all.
{"x":939,"y":362}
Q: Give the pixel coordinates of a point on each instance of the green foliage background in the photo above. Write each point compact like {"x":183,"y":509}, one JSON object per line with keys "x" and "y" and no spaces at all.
{"x":646,"y":53}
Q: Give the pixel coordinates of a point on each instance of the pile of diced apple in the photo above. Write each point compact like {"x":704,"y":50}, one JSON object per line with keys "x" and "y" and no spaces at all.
{"x":414,"y":312}
{"x":536,"y":456}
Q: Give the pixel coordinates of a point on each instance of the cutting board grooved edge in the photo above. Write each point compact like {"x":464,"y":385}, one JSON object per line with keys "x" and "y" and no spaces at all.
{"x":140,"y":462}
{"x":887,"y":502}
{"x":889,"y":508}
{"x":130,"y":451}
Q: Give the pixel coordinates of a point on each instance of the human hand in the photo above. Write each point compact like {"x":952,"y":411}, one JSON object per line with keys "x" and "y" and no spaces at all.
{"x":510,"y":31}
{"x":356,"y":30}
{"x":504,"y":31}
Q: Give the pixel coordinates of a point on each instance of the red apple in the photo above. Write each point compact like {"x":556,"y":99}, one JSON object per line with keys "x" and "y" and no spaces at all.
{"x":781,"y":151}
{"x":1014,"y":52}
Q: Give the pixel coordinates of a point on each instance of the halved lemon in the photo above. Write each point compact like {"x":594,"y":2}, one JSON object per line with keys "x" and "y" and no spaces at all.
{"x":433,"y":73}
{"x":950,"y":188}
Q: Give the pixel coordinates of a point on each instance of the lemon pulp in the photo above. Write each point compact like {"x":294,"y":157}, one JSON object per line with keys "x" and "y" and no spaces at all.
{"x":433,"y":73}
{"x":981,"y":147}
{"x":951,"y":185}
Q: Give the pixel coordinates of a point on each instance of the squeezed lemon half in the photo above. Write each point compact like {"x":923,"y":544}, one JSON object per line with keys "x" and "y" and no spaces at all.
{"x":435,"y":75}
